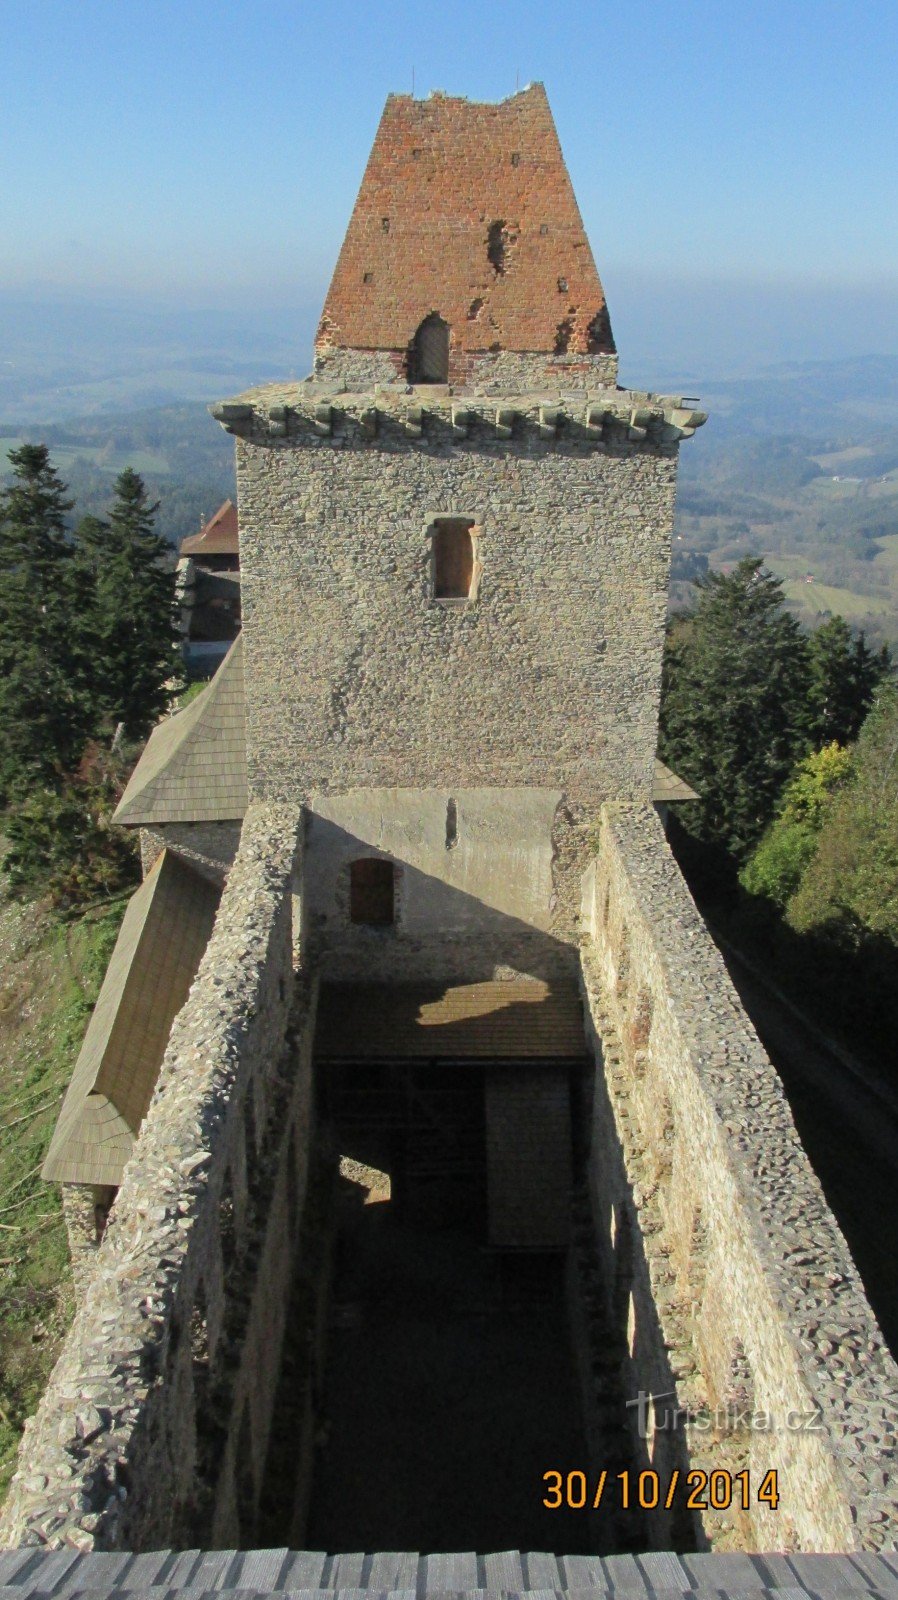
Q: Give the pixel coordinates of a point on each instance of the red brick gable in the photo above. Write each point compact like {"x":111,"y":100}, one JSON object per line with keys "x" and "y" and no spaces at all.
{"x":467,"y":210}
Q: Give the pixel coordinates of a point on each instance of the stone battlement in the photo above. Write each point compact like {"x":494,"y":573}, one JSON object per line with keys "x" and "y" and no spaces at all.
{"x":611,"y":418}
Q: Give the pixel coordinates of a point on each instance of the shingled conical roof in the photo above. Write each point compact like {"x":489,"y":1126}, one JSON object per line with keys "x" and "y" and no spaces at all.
{"x":466,"y":210}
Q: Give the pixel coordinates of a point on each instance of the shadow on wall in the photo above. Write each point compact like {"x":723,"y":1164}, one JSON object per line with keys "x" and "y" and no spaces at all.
{"x":437,"y":930}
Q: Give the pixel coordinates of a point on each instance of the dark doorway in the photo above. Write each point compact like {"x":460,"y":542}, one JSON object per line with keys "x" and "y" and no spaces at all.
{"x":429,"y":362}
{"x":371,"y":891}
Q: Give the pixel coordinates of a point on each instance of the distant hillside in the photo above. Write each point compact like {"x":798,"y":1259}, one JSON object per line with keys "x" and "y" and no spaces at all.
{"x":185,"y":458}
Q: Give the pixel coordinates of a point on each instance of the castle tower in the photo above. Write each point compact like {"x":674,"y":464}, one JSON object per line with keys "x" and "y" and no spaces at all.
{"x":454,"y":549}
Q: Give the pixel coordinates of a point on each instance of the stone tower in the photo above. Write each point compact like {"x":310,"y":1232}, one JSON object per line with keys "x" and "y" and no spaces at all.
{"x":454,"y":546}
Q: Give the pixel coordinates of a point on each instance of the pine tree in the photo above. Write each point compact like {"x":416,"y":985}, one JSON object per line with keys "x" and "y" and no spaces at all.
{"x":133,"y":622}
{"x":44,"y":710}
{"x":845,"y":675}
{"x":734,"y":702}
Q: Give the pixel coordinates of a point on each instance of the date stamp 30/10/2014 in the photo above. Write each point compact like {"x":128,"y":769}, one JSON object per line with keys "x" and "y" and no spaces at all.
{"x":649,"y":1491}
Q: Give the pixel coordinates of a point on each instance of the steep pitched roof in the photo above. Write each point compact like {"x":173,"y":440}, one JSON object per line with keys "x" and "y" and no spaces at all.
{"x":218,"y":538}
{"x":668,"y":787}
{"x":165,"y":930}
{"x":467,"y":210}
{"x":194,"y":766}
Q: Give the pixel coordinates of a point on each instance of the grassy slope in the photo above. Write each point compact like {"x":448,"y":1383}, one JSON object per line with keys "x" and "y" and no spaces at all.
{"x":50,"y":975}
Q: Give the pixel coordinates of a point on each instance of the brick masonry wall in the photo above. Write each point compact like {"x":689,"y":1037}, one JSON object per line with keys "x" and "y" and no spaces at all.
{"x":467,"y":210}
{"x":154,"y":1426}
{"x":740,"y":1292}
{"x":356,"y":678}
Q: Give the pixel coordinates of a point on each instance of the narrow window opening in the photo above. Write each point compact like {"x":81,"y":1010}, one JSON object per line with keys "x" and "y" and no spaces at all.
{"x":453,"y":559}
{"x":429,"y":357}
{"x":385,"y":224}
{"x":451,"y":824}
{"x":372,"y":892}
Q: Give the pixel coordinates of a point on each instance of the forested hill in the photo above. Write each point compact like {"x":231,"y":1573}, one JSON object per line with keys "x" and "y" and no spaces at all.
{"x":183,"y":456}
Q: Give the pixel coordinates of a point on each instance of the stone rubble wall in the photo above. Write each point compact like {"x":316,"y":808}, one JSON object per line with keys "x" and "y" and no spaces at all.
{"x":209,"y":847}
{"x":729,"y":1276}
{"x":154,"y":1426}
{"x":483,"y":371}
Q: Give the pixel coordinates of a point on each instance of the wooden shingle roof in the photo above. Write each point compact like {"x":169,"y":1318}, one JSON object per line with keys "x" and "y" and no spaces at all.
{"x":194,"y":766}
{"x":515,"y":1019}
{"x":165,"y":930}
{"x":668,"y":787}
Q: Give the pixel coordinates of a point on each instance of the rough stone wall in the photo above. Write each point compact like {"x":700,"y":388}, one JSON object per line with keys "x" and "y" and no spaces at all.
{"x":466,"y":209}
{"x":738,"y":1289}
{"x":154,"y":1425}
{"x":357,"y":677}
{"x":208,"y":846}
{"x":482,"y":372}
{"x":85,"y":1208}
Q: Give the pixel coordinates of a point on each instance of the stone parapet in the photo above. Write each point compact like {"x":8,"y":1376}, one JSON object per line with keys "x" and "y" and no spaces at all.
{"x":605,"y":419}
{"x":154,"y":1425}
{"x":760,"y":1308}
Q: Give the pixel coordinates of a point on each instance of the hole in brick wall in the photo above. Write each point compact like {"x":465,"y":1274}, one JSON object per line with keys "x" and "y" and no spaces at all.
{"x":497,"y":247}
{"x":475,"y":308}
{"x":367,"y":277}
{"x":417,"y":154}
{"x":563,"y":335}
{"x":562,"y":285}
{"x":515,"y":159}
{"x":451,"y":824}
{"x":385,"y":224}
{"x":598,"y":333}
{"x":544,"y":228}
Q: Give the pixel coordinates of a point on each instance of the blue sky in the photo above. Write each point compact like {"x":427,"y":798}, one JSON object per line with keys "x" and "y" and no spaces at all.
{"x":210,"y":152}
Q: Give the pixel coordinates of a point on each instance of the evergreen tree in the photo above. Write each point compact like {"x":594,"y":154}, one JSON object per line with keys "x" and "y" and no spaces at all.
{"x":734,"y":698}
{"x":133,"y":621}
{"x":843,"y":681}
{"x":44,"y":710}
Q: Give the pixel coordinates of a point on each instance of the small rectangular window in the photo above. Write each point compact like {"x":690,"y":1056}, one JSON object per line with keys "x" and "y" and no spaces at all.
{"x":453,"y":559}
{"x":371,"y":892}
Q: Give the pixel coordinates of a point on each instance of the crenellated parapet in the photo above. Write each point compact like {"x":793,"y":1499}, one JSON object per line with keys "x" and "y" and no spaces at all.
{"x":611,"y":420}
